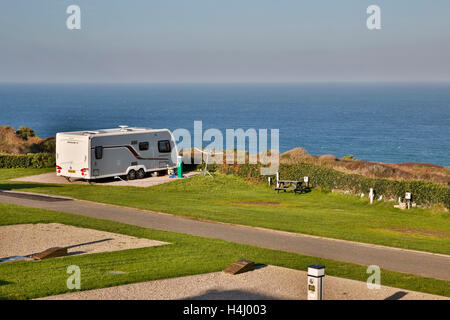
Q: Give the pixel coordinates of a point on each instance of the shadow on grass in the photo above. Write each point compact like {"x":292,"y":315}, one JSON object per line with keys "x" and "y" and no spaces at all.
{"x":33,"y":196}
{"x":4,"y":282}
{"x":14,"y":186}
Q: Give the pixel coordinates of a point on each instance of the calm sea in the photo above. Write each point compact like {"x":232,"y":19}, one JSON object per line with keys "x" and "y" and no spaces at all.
{"x":376,"y":122}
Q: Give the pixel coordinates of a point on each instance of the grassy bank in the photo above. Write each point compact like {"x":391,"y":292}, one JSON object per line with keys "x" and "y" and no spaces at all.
{"x":231,"y":199}
{"x":186,"y":255}
{"x":424,"y":193}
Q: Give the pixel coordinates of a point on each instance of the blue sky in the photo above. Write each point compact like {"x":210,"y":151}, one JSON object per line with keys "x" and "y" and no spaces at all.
{"x":224,"y":41}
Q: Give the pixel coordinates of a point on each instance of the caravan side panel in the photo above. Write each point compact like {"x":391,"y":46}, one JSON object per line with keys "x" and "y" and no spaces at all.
{"x":117,"y":154}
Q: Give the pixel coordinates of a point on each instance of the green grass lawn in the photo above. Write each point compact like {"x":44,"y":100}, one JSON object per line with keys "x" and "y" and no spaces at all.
{"x":186,"y":255}
{"x":234,"y":200}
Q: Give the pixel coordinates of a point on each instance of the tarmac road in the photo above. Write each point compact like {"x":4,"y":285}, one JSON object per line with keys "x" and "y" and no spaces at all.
{"x":401,"y":260}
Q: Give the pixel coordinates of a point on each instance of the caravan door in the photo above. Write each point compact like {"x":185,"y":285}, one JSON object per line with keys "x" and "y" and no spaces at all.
{"x":164,"y":149}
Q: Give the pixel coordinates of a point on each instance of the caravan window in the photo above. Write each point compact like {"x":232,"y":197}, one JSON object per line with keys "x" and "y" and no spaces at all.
{"x":164,"y":146}
{"x":143,"y":146}
{"x":98,"y":152}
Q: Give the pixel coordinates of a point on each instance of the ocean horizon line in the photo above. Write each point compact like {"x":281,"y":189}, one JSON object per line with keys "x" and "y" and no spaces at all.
{"x":331,"y":82}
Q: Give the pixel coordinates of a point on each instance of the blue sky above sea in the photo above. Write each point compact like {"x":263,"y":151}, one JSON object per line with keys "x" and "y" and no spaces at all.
{"x":208,"y":41}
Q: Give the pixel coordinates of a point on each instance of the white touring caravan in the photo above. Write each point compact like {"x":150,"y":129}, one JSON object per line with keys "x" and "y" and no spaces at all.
{"x":123,"y":151}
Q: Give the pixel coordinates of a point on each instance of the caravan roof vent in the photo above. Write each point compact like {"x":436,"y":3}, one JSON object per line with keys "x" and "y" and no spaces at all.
{"x":123,"y":128}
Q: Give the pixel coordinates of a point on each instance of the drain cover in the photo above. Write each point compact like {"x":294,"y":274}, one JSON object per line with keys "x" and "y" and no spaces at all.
{"x":116,"y":272}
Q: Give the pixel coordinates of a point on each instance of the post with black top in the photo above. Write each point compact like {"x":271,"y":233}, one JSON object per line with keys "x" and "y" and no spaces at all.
{"x":316,"y":273}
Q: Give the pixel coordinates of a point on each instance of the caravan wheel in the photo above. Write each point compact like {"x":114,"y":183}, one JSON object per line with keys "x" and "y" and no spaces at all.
{"x":131,"y":175}
{"x":140,"y":174}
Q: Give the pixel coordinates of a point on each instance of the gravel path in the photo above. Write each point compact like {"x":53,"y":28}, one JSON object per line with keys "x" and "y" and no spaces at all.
{"x":25,"y":239}
{"x":269,"y":282}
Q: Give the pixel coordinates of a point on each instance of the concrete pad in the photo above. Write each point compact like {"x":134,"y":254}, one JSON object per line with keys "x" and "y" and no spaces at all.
{"x":27,"y":239}
{"x":52,"y":178}
{"x":267,"y":282}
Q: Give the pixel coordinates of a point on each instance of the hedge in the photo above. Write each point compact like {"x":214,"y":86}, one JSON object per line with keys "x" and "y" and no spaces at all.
{"x":423,"y":192}
{"x":30,"y":160}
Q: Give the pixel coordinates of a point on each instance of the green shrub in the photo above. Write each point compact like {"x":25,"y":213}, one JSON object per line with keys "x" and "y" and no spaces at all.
{"x":30,"y":160}
{"x":48,"y":145}
{"x":25,"y":133}
{"x":348,"y":157}
{"x":423,"y":192}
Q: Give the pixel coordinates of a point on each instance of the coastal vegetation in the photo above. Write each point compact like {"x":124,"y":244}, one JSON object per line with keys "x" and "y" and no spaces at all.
{"x":349,"y":164}
{"x":185,"y":255}
{"x":22,"y":148}
{"x":23,"y":141}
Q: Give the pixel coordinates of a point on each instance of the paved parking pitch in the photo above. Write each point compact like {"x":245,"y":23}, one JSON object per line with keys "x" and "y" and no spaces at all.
{"x":52,"y":178}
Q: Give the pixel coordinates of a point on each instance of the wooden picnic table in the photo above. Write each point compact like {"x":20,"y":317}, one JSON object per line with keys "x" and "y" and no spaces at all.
{"x":285,"y":184}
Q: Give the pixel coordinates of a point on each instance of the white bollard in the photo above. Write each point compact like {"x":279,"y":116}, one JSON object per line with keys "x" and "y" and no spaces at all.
{"x":371,"y":195}
{"x":316,"y":274}
{"x":278,"y":179}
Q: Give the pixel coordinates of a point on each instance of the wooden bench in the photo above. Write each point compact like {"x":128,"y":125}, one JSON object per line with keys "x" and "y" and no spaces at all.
{"x":283,"y":188}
